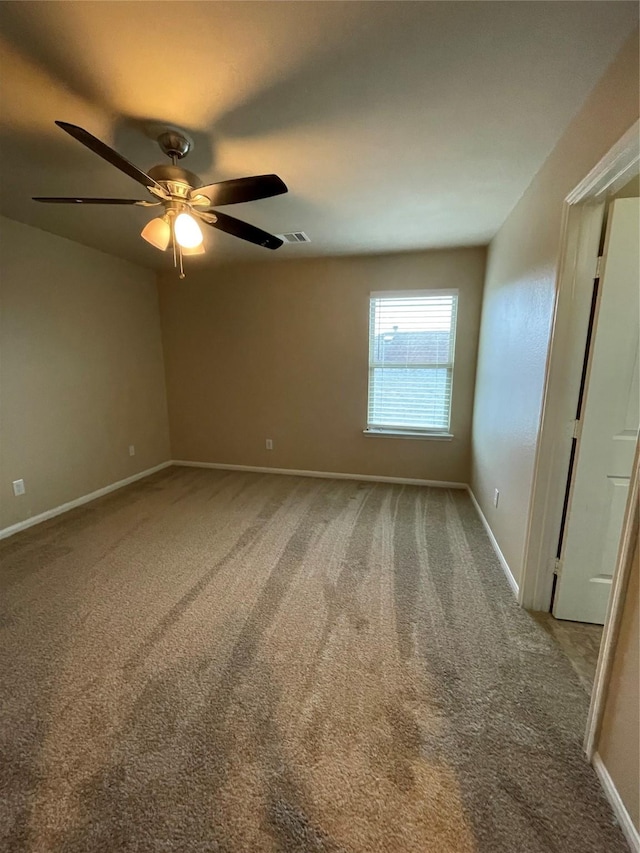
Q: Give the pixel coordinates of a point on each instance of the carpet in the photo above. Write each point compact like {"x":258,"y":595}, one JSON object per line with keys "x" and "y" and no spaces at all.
{"x":226,"y":662}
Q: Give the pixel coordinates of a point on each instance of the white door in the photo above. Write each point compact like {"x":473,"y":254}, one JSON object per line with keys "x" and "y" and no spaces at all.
{"x":608,"y":428}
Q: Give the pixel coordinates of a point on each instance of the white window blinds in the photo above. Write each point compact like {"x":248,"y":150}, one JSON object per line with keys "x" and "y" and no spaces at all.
{"x":411,"y":348}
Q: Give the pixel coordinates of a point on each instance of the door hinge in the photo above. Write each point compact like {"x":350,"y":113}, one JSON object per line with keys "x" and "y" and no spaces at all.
{"x":557,"y":567}
{"x":576,"y":429}
{"x":598,"y":266}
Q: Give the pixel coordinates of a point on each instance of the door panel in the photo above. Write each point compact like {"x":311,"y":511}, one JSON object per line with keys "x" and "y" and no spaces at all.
{"x":608,"y":431}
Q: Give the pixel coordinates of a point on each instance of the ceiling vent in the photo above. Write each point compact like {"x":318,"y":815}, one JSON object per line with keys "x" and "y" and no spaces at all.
{"x":295,"y":237}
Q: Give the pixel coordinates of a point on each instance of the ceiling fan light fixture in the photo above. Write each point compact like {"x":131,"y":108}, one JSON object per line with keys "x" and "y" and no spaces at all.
{"x":187,"y":231}
{"x":157,"y":232}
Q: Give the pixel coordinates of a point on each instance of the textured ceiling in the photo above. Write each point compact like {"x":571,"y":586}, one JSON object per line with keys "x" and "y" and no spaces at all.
{"x":395,"y":125}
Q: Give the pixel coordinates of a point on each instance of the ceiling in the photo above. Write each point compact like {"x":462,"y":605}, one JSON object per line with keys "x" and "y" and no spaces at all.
{"x":396,"y":125}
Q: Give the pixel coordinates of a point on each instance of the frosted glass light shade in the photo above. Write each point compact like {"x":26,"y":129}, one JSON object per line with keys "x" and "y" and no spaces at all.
{"x":187,"y":231}
{"x":197,"y":250}
{"x":157,"y":232}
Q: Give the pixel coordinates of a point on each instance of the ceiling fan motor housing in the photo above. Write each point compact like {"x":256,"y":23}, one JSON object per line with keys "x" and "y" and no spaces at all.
{"x":167,"y":174}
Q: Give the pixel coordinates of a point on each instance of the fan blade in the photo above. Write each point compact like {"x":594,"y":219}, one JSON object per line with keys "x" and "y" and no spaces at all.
{"x":243,"y":230}
{"x":108,"y":154}
{"x":91,"y":201}
{"x":239,"y":190}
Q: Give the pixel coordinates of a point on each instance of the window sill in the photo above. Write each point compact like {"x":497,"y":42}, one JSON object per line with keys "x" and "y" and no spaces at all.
{"x":395,"y":433}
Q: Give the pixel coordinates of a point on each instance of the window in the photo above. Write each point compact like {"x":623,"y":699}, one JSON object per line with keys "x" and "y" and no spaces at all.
{"x":411,"y":347}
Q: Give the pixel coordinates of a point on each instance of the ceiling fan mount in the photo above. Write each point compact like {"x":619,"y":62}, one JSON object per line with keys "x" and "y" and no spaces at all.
{"x":175,"y":143}
{"x":182,"y":194}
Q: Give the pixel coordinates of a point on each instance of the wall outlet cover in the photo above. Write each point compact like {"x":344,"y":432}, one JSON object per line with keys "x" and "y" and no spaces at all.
{"x":18,"y":487}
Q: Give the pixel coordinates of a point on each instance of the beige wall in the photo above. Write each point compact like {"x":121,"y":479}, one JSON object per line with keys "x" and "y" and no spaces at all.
{"x":279,"y":350}
{"x":81,"y":371}
{"x":630,"y":190}
{"x":619,"y":742}
{"x":518,"y":307}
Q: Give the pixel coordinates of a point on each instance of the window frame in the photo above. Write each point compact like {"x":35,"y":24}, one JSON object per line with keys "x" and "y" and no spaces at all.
{"x":403,"y":431}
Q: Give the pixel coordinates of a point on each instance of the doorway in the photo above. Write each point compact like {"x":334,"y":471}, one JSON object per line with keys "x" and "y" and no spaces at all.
{"x":566,"y":470}
{"x":606,"y":423}
{"x":603,"y":443}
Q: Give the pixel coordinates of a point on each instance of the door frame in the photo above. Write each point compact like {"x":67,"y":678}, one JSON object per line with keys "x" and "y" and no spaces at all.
{"x":622,"y":573}
{"x":582,"y":220}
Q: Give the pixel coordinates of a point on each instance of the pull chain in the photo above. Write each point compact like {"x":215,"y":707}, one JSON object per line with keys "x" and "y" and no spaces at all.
{"x":177,"y":251}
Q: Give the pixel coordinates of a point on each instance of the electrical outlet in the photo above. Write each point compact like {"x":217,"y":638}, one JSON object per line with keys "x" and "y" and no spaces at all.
{"x":269,"y":443}
{"x":132,"y":450}
{"x":18,"y":487}
{"x":496,"y":497}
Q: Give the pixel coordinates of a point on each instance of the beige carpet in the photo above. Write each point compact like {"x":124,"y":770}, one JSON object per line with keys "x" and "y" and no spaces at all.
{"x":229,"y":662}
{"x":579,"y":641}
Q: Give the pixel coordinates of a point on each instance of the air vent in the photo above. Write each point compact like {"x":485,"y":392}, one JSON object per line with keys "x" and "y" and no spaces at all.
{"x":295,"y":237}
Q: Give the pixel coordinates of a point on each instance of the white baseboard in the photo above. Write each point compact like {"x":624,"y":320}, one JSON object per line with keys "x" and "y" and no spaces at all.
{"x":327,"y":475}
{"x":58,"y":510}
{"x":615,"y":800}
{"x":494,"y":542}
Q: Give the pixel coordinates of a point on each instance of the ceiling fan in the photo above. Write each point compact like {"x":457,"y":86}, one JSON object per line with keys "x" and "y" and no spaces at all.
{"x":183,"y":196}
